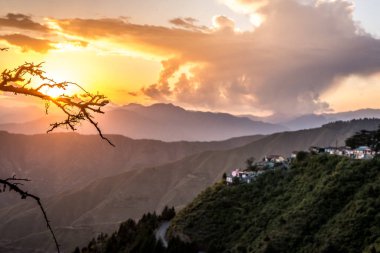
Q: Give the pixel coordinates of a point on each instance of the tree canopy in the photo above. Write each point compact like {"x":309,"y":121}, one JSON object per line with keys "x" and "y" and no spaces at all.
{"x":365,"y":138}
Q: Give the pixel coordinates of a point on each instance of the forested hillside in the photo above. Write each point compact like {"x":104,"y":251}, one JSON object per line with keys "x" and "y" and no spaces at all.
{"x":323,"y":204}
{"x":139,"y":237}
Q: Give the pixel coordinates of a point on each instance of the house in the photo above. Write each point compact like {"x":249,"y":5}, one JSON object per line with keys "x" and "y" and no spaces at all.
{"x":234,"y":174}
{"x":331,"y":150}
{"x":274,"y":159}
{"x":315,"y":149}
{"x":320,"y":150}
{"x":240,"y":176}
{"x":363,"y":152}
{"x":247,"y":176}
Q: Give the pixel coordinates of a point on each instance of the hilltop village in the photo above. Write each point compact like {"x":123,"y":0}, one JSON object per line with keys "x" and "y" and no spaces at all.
{"x":276,"y":162}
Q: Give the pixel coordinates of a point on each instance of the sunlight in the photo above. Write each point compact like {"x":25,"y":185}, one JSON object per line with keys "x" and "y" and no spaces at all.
{"x":56,"y":92}
{"x":256,"y":19}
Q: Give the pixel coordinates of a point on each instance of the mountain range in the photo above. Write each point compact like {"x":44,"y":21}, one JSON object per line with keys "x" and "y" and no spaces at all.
{"x":317,"y":120}
{"x":109,"y":190}
{"x":165,"y":122}
{"x":168,"y":122}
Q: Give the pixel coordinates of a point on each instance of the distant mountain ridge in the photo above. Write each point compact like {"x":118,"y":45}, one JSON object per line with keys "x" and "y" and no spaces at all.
{"x":19,"y":114}
{"x":317,"y":120}
{"x":78,"y":214}
{"x":169,"y":122}
{"x":165,"y":122}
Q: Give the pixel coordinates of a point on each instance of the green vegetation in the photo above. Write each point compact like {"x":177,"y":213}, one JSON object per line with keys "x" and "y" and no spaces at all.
{"x":138,"y":237}
{"x":323,"y":204}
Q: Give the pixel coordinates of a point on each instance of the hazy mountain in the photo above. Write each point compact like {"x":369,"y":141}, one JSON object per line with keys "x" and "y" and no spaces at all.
{"x":168,"y":122}
{"x":314,"y":120}
{"x":63,"y":161}
{"x":81,"y":213}
{"x":19,"y":114}
{"x":161,"y":122}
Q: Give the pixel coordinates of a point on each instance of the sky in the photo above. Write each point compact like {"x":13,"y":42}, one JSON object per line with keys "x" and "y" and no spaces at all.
{"x":256,"y":57}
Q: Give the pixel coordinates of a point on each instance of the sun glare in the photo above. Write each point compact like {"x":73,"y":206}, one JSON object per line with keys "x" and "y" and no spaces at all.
{"x":256,"y":19}
{"x":56,"y":92}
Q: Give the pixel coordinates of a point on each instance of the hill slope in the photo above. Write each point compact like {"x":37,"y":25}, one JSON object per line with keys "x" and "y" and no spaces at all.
{"x":103,"y":204}
{"x":60,"y":162}
{"x":323,"y":204}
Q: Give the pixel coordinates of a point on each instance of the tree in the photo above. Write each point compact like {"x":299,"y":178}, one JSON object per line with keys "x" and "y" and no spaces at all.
{"x":29,"y":79}
{"x":250,"y":162}
{"x":301,"y":156}
{"x":224,"y":177}
{"x":167,"y":213}
{"x":365,"y":138}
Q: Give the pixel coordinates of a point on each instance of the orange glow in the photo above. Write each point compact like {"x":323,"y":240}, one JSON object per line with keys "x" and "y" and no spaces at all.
{"x":56,"y":92}
{"x":353,"y":93}
{"x":256,"y":19}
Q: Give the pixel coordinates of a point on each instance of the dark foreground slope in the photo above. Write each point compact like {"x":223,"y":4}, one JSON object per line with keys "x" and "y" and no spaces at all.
{"x":323,"y":204}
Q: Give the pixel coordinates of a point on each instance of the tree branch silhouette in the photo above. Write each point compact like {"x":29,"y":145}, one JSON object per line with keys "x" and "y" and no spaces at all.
{"x":78,"y":107}
{"x":13,"y":184}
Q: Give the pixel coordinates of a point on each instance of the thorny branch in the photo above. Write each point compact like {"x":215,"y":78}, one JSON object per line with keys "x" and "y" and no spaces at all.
{"x":78,"y":107}
{"x":13,"y":184}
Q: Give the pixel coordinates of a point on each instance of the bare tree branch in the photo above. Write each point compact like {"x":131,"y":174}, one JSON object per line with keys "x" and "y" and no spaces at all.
{"x":13,"y":185}
{"x":78,"y":107}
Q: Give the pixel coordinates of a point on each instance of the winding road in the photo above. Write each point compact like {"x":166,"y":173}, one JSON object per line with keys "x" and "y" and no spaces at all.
{"x":161,"y":232}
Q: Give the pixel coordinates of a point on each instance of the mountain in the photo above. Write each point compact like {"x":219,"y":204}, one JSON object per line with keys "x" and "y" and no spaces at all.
{"x":322,"y":204}
{"x":19,"y":114}
{"x":168,"y":122}
{"x":160,"y":122}
{"x":80,"y":213}
{"x":55,"y":163}
{"x":317,"y":120}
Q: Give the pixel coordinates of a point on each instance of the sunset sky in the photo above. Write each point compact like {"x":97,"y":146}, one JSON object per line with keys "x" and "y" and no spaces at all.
{"x":240,"y":56}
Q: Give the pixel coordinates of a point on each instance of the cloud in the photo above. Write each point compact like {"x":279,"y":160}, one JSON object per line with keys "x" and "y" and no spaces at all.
{"x":21,"y":21}
{"x":284,"y":65}
{"x":246,"y":6}
{"x":151,"y":39}
{"x":188,"y":23}
{"x":27,"y":43}
{"x":162,"y":88}
{"x":223,"y":23}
